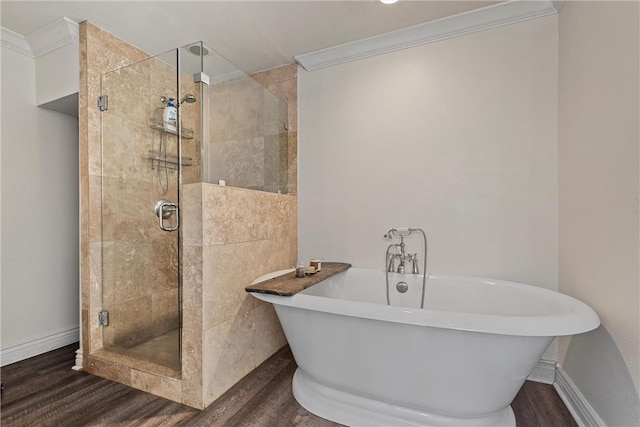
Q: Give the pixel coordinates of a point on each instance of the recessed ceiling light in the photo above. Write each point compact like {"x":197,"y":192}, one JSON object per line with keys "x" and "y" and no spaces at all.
{"x":388,"y":1}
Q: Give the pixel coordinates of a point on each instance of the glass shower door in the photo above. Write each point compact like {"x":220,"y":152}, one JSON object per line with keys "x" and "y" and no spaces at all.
{"x":141,"y":178}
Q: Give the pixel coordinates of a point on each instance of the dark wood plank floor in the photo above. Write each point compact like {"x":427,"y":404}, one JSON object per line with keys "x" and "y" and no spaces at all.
{"x":44,"y":391}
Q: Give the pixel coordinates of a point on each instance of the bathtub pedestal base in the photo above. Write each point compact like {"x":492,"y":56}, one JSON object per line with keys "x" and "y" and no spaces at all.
{"x":346,"y":408}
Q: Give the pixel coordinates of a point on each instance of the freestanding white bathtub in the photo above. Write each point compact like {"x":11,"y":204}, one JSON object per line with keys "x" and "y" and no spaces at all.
{"x":458,"y":362}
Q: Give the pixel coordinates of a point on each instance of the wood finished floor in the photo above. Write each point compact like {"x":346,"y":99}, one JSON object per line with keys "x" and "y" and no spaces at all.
{"x":44,"y":391}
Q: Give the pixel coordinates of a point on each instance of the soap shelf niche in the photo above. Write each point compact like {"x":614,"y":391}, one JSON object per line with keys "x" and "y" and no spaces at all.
{"x":186,"y":133}
{"x":170,"y":161}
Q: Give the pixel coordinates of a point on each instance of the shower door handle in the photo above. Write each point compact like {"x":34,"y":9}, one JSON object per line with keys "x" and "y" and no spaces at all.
{"x":164,"y":209}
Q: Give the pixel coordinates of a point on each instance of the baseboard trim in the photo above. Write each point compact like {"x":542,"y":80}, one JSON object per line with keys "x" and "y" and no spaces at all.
{"x":582,"y":411}
{"x":35,"y":346}
{"x":543,"y":372}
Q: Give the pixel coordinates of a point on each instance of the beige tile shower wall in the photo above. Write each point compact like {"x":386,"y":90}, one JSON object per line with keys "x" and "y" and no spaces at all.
{"x":248,"y":146}
{"x":236,"y":137}
{"x":245,"y":234}
{"x":99,"y":52}
{"x":283,"y":82}
{"x":230,"y":237}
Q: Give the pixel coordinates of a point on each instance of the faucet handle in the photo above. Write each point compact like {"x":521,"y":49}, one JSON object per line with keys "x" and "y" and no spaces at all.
{"x":414,"y":258}
{"x":391,"y":263}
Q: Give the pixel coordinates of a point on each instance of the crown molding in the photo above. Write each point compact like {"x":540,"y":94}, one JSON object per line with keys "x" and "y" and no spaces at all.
{"x":497,"y":15}
{"x":15,"y":42}
{"x":42,"y":41}
{"x":53,"y":36}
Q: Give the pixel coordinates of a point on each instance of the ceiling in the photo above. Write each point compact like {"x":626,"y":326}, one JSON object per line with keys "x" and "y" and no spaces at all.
{"x":253,"y":35}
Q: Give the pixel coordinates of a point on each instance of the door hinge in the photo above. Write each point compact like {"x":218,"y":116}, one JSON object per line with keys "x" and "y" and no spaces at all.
{"x":103,"y":102}
{"x":103,"y":318}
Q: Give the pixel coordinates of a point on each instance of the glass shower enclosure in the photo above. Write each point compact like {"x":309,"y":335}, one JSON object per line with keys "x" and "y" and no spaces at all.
{"x":230,"y":131}
{"x":144,"y":162}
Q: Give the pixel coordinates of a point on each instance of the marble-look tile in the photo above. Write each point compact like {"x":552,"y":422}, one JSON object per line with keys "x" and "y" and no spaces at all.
{"x":276,"y":75}
{"x":159,"y":355}
{"x":269,"y":336}
{"x":161,"y":267}
{"x":128,"y":210}
{"x":106,"y":52}
{"x":130,"y":322}
{"x":228,"y":269}
{"x":275,"y":114}
{"x":84,"y":258}
{"x":239,"y":162}
{"x":95,"y":277}
{"x":227,"y":354}
{"x":94,"y":204}
{"x":192,"y":374}
{"x":94,"y":142}
{"x":129,"y":91}
{"x":191,"y":214}
{"x":105,"y":369}
{"x":123,"y":273}
{"x":292,"y":181}
{"x":82,"y":56}
{"x":235,"y":110}
{"x":279,"y":213}
{"x":192,"y":148}
{"x":127,"y":145}
{"x":233,"y":215}
{"x":192,"y":287}
{"x":134,"y":358}
{"x":94,"y":329}
{"x":165,"y":313}
{"x":276,"y":161}
{"x":225,"y":161}
{"x":86,"y":342}
{"x":168,"y":388}
{"x":286,"y":90}
{"x":292,"y":112}
{"x":83,"y":135}
{"x":162,"y":79}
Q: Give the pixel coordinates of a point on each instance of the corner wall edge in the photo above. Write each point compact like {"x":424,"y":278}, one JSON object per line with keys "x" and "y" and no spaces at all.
{"x":576,"y":403}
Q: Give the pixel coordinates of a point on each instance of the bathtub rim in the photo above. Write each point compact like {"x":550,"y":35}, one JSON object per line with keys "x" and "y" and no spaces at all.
{"x":579,"y":317}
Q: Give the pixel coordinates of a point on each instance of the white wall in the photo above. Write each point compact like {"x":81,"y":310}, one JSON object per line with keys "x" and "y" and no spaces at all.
{"x":599,"y":221}
{"x":39,"y":218}
{"x":58,"y":73}
{"x":458,"y":137}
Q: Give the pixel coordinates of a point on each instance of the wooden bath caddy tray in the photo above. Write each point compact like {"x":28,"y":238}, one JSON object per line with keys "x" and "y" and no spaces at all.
{"x":288,"y":284}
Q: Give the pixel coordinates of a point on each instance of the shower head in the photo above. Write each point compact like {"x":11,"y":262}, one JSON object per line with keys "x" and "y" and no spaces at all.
{"x":188,"y":98}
